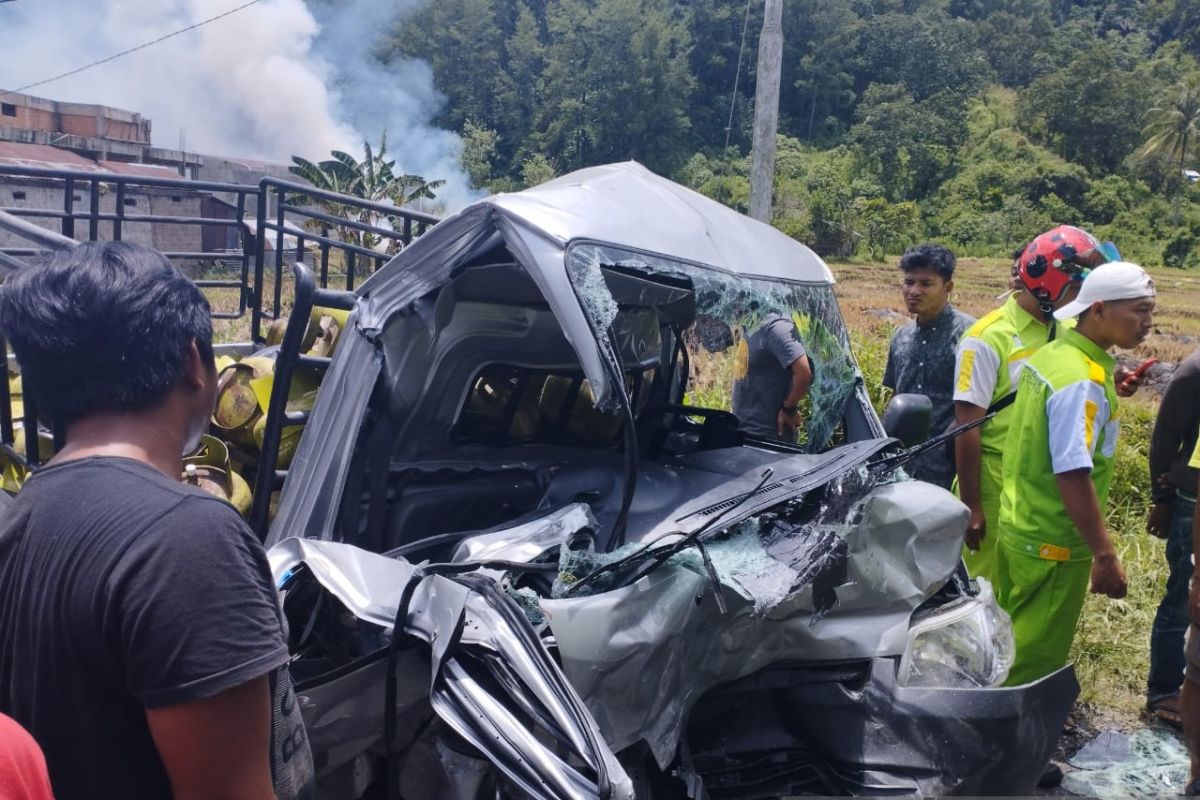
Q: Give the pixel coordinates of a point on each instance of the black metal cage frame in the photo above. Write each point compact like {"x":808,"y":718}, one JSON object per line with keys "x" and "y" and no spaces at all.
{"x":280,"y":208}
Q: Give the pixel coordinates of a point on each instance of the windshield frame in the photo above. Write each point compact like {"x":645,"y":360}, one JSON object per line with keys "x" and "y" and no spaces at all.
{"x":849,"y":376}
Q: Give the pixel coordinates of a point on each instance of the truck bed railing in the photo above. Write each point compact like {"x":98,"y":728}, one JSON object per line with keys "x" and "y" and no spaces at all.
{"x":241,"y":240}
{"x":268,"y":478}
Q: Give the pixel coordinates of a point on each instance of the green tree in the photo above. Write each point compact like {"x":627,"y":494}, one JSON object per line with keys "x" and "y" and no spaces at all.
{"x":1173,"y":124}
{"x":929,"y":53}
{"x":374,"y":178}
{"x":517,"y":84}
{"x":537,"y":169}
{"x":478,"y":153}
{"x":462,"y":43}
{"x":616,"y":84}
{"x":1089,"y":110}
{"x":817,"y":91}
{"x":908,"y":146}
{"x":887,"y":227}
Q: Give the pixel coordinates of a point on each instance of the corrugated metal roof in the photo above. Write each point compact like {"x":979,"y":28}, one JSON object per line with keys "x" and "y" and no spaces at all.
{"x":19,"y":154}
{"x":144,"y":170}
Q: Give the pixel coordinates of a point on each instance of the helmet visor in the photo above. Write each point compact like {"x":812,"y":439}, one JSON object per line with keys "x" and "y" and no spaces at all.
{"x":1109,"y":251}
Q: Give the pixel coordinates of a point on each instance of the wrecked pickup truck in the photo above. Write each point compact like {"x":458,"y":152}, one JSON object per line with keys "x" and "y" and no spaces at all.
{"x":525,"y":551}
{"x":521,"y":555}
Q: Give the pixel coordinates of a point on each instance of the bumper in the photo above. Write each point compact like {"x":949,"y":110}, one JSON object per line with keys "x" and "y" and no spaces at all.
{"x":850,"y":729}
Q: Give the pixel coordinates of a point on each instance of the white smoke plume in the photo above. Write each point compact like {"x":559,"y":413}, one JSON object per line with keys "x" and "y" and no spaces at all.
{"x":277,"y":79}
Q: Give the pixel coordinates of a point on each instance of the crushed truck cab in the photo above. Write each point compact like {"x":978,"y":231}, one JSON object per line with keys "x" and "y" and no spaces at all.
{"x":530,"y":395}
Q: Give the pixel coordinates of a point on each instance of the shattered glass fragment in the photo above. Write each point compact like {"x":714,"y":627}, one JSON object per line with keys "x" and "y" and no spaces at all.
{"x":1150,"y":763}
{"x":527,"y":599}
{"x":740,"y":557}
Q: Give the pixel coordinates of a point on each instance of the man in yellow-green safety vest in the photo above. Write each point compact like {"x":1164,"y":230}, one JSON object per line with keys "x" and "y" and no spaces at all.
{"x":988,"y":363}
{"x":1057,"y":466}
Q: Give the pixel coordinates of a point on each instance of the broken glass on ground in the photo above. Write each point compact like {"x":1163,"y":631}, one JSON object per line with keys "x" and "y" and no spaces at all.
{"x":1149,"y":763}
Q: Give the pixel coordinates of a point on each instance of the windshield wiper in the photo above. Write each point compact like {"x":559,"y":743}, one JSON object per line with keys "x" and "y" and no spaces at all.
{"x":656,"y":556}
{"x":891,"y":463}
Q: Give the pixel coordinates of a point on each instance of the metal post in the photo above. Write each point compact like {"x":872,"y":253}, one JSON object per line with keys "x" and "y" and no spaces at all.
{"x":276,"y":313}
{"x":116,"y":226}
{"x":94,"y":211}
{"x":244,"y":295}
{"x":260,"y":257}
{"x":68,"y":221}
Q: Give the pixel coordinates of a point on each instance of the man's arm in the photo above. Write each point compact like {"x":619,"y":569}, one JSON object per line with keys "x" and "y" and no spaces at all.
{"x":968,"y":461}
{"x":1171,"y":429}
{"x":217,"y":748}
{"x":789,"y":423}
{"x":889,"y":367}
{"x":976,"y":371}
{"x":1083,"y":507}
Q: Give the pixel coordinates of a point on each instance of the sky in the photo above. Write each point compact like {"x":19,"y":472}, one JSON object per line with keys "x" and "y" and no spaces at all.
{"x":278,"y":78}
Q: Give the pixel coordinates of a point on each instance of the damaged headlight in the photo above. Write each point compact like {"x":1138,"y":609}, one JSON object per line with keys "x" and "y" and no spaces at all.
{"x":966,"y":644}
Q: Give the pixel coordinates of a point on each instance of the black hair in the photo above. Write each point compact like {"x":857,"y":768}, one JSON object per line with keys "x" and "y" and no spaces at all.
{"x":103,"y":326}
{"x":929,"y":256}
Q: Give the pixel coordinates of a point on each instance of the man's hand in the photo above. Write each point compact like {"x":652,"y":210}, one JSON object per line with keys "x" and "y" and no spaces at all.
{"x":976,"y":529}
{"x":788,"y":423}
{"x":1108,"y":578}
{"x":1120,"y":376}
{"x":1158,"y":523}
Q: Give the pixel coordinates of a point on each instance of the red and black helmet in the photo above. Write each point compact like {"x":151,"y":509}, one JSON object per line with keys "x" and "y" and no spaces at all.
{"x":1059,"y":257}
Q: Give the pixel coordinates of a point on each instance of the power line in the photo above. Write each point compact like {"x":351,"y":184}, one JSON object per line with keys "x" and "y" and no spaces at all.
{"x":115,"y":56}
{"x":737,"y":76}
{"x":733,"y":100}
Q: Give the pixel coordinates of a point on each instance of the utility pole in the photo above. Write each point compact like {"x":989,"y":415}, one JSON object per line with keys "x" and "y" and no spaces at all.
{"x":766,"y":111}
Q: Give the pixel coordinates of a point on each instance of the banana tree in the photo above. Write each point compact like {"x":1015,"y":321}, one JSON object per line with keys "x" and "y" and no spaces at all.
{"x":374,"y":178}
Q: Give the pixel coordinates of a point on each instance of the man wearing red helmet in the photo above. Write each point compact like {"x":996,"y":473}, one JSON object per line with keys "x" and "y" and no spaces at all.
{"x":1052,"y":541}
{"x":988,"y":363}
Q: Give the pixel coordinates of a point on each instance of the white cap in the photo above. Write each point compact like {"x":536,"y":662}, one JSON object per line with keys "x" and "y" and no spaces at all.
{"x":1117,"y":280}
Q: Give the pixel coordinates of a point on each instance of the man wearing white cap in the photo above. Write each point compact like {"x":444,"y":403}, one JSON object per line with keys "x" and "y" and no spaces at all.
{"x":1057,"y":467}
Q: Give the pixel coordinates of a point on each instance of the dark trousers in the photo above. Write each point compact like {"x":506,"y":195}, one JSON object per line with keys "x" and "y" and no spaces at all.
{"x":1171,"y":621}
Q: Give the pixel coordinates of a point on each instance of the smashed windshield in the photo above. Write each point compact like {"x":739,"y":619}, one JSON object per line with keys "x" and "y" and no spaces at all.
{"x":729,"y":310}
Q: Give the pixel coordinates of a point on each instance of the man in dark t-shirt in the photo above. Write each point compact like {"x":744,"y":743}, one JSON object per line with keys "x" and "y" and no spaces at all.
{"x":141,"y":641}
{"x":771,"y":378}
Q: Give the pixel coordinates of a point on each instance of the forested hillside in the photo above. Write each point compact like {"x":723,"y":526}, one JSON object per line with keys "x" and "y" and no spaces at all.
{"x":973,"y":122}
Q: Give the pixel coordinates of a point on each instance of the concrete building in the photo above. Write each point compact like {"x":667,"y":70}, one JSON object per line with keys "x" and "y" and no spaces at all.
{"x":109,"y":142}
{"x":96,"y":132}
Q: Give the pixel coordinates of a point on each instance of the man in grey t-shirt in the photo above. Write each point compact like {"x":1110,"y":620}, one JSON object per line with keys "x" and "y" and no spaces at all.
{"x":772,"y":378}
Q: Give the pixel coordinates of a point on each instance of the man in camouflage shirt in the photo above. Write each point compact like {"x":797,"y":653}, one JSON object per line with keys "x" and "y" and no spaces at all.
{"x":921,"y":356}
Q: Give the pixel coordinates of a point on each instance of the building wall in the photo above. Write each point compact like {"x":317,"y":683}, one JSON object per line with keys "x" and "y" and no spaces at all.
{"x":162,"y":236}
{"x":79,"y":119}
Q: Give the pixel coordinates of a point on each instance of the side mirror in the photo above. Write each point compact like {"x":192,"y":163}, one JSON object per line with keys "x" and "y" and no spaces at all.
{"x":907,"y":418}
